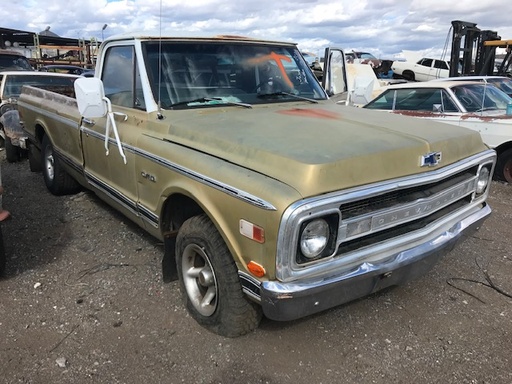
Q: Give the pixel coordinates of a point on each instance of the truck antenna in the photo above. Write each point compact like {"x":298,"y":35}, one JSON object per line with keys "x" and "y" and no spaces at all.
{"x":159,"y":102}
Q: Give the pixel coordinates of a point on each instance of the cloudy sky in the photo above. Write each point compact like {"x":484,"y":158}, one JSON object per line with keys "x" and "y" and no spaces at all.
{"x":382,"y":27}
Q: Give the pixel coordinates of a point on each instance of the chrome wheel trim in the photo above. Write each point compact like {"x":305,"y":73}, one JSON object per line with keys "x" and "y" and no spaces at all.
{"x":199,"y":280}
{"x":49,"y":163}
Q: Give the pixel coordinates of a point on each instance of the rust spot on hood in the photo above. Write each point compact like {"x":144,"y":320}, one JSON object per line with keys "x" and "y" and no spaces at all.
{"x":315,"y":113}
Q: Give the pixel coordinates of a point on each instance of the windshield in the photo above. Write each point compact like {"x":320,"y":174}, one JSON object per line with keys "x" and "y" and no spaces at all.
{"x":201,"y":74}
{"x":14,"y":62}
{"x":365,"y":55}
{"x":480,"y":97}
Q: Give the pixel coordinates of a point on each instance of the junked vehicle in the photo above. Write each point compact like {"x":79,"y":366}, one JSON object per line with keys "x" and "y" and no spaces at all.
{"x":69,"y":69}
{"x":11,"y":83}
{"x":356,"y":57}
{"x":424,"y":69}
{"x":474,"y":105}
{"x":268,"y":196}
{"x":13,"y":61}
{"x":502,"y":82}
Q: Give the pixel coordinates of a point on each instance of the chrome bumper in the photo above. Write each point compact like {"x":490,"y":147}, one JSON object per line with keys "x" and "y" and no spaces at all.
{"x":289,"y":301}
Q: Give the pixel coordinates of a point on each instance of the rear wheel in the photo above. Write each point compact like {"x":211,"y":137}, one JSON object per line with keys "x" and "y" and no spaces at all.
{"x":209,"y":281}
{"x":503,"y":169}
{"x":12,"y":152}
{"x":57,"y":180}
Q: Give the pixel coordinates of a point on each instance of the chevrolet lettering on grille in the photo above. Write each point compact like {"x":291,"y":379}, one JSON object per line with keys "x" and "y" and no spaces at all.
{"x":422,"y":208}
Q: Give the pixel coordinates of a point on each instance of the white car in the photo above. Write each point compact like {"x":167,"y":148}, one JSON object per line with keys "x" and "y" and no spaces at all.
{"x":474,"y":105}
{"x":502,"y":82}
{"x":424,"y":69}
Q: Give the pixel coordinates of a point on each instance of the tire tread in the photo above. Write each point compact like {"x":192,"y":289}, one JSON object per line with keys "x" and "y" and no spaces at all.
{"x":236,"y":314}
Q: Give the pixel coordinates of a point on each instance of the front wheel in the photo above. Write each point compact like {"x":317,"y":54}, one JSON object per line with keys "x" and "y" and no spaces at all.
{"x":57,"y":180}
{"x":503,"y":169}
{"x":209,"y":281}
{"x":409,"y":75}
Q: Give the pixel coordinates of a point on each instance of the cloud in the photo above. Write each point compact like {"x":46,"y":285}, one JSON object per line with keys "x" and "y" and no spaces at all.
{"x":384,"y":28}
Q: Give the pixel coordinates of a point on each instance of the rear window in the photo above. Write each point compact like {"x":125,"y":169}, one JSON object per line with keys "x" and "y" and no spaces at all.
{"x":13,"y":84}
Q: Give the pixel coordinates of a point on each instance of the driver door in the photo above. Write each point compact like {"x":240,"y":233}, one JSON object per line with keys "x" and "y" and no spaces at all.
{"x":110,"y":164}
{"x":334,"y":79}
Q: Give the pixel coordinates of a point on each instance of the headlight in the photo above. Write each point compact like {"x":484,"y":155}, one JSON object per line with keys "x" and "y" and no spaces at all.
{"x":314,"y":238}
{"x":483,"y":180}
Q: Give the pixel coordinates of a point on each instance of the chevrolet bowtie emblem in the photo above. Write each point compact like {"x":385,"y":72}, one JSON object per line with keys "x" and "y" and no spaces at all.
{"x":430,"y":159}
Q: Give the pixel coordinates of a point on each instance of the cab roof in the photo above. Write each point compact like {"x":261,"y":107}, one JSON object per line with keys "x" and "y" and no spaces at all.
{"x":148,"y":36}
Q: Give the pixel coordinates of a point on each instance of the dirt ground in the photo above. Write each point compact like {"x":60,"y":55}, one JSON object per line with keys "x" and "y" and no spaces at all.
{"x":83,"y":301}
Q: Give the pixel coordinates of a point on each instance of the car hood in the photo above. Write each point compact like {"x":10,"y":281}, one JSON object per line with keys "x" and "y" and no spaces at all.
{"x":318,"y":148}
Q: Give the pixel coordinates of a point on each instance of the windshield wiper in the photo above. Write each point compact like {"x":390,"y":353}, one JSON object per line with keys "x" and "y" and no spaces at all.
{"x":213,"y":100}
{"x":282,"y":93}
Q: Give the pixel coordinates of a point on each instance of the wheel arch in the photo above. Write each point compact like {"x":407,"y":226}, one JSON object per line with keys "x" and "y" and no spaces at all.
{"x":502,"y":171}
{"x":177,"y":208}
{"x":503,"y":147}
{"x":409,"y":74}
{"x":39,"y":132}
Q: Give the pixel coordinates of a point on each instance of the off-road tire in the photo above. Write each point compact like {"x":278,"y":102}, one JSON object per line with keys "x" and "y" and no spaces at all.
{"x":205,"y":266}
{"x":57,"y":180}
{"x":503,"y":169}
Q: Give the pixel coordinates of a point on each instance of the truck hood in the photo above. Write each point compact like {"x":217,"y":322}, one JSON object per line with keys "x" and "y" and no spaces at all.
{"x":319,"y":148}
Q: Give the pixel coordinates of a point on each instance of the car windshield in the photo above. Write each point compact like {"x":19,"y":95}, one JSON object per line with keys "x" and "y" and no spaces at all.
{"x":191,"y":75}
{"x":14,"y":63}
{"x":481,"y":97}
{"x":365,"y":55}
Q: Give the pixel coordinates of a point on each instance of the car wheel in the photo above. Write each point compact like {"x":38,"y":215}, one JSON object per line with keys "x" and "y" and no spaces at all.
{"x":209,"y":281}
{"x":503,"y":169}
{"x":409,"y":75}
{"x":12,"y":152}
{"x":57,"y":180}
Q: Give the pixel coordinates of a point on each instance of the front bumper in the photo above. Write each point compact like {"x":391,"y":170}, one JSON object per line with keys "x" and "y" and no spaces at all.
{"x":289,"y":301}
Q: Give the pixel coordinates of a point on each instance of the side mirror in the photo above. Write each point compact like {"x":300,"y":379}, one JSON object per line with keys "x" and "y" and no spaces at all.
{"x":437,"y":108}
{"x":90,"y":97}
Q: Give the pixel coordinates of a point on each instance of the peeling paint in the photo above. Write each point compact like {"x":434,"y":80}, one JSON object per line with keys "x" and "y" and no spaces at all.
{"x":315,"y":113}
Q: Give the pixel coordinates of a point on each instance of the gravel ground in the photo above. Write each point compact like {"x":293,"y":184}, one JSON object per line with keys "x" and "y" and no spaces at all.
{"x":83,"y":301}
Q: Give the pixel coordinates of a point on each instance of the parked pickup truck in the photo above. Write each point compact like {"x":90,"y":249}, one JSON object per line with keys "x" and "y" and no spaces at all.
{"x":424,"y":69}
{"x":11,"y":83}
{"x":268,"y":195}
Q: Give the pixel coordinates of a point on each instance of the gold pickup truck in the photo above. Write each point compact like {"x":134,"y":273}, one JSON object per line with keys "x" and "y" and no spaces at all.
{"x":271,"y":197}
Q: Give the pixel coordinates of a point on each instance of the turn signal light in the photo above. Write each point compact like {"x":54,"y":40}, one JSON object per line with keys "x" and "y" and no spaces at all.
{"x":256,"y":269}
